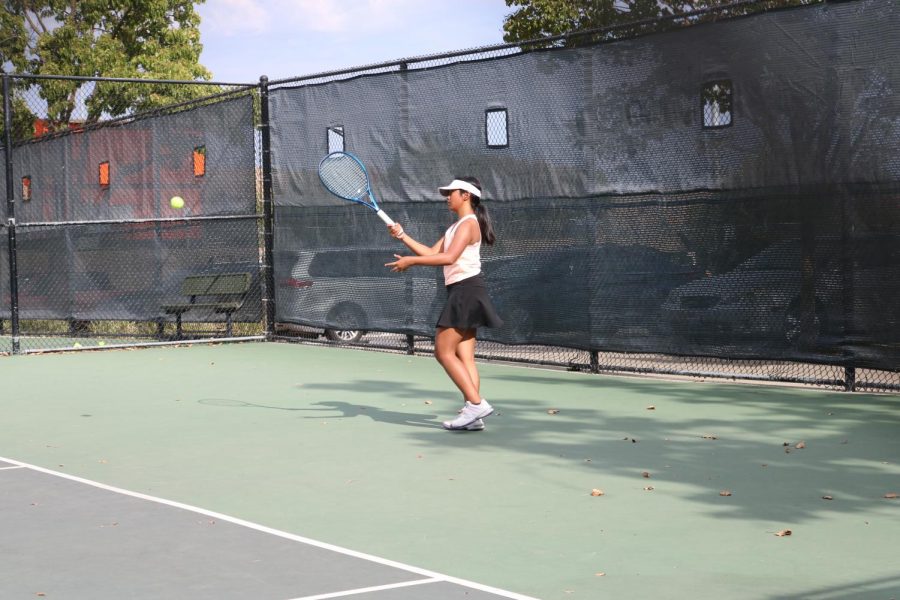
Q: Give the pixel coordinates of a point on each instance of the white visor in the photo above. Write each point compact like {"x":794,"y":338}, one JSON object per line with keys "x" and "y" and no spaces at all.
{"x":458,"y":184}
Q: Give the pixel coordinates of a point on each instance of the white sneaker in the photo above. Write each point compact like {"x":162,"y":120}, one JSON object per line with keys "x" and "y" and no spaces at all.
{"x":477,"y":425}
{"x":470,"y":413}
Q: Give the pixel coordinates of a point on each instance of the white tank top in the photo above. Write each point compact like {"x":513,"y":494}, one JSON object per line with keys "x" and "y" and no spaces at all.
{"x":469,"y":262}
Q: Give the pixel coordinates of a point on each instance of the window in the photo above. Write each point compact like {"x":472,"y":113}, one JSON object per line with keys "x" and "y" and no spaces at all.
{"x":716,"y":103}
{"x":495,"y":128}
{"x":26,"y":188}
{"x":199,"y":161}
{"x":336,"y":139}
{"x":103,"y":174}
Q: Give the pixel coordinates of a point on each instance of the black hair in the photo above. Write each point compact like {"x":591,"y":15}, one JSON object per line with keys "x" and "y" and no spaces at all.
{"x":484,"y":218}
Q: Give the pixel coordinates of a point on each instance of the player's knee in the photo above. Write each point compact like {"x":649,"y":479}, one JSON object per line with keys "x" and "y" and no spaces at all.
{"x":444,"y":356}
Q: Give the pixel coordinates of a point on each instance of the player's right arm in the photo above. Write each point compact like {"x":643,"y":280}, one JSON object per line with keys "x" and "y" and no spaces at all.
{"x":417,"y":247}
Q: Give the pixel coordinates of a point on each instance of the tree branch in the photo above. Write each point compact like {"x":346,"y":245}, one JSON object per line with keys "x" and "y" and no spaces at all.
{"x":27,"y":12}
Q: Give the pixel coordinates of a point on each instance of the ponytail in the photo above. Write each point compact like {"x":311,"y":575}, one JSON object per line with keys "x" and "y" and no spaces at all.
{"x":484,"y":222}
{"x":481,"y":211}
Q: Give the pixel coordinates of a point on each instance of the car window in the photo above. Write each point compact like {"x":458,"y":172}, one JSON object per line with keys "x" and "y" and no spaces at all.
{"x":880,"y":252}
{"x":350,"y":263}
{"x":774,"y":258}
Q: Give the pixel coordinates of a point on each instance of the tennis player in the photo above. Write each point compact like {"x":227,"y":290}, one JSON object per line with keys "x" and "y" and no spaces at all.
{"x":468,"y":304}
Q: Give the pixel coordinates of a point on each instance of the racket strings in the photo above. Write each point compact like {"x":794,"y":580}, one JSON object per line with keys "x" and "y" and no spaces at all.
{"x":344,"y":177}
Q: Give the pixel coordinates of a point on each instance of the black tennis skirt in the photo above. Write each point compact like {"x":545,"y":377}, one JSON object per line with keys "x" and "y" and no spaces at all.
{"x":469,"y":306}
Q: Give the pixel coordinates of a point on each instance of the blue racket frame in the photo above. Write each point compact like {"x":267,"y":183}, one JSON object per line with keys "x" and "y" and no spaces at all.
{"x":350,"y":181}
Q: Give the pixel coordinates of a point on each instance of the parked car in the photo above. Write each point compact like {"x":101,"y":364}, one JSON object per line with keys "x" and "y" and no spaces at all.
{"x":585,"y":295}
{"x":348,"y":291}
{"x":763,"y":298}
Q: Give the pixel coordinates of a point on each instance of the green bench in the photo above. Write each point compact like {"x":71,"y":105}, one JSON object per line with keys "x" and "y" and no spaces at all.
{"x":223,"y":293}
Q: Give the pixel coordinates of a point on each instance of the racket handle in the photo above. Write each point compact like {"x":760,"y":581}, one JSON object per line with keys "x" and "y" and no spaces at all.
{"x":383,"y":216}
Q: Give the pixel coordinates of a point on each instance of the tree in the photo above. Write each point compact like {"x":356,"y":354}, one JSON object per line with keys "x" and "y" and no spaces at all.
{"x":534,"y":19}
{"x":146,"y":39}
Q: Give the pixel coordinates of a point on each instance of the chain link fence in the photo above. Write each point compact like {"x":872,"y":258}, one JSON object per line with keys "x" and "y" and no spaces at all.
{"x":655,"y":216}
{"x":136,"y":227}
{"x":667,"y":199}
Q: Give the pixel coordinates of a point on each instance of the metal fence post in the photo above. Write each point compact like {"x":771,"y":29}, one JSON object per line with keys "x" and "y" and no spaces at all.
{"x":268,"y":212}
{"x":11,"y":216}
{"x":849,"y":379}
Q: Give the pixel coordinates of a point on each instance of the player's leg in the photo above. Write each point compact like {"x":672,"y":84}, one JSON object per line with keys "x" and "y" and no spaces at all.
{"x":446,"y":349}
{"x":466,"y":353}
{"x":465,"y":350}
{"x":446,"y":344}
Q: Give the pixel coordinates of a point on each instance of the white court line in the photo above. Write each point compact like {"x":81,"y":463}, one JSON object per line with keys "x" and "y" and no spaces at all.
{"x":432,"y":576}
{"x":10,"y":468}
{"x":377,"y":588}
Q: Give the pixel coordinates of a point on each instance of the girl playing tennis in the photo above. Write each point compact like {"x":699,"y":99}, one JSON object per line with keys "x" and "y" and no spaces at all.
{"x":468,"y":304}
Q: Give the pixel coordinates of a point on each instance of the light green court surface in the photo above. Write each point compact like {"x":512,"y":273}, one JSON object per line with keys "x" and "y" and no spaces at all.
{"x":345,"y":446}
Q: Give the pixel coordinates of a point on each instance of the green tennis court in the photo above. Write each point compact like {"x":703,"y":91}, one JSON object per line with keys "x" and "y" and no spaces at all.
{"x":345,"y":447}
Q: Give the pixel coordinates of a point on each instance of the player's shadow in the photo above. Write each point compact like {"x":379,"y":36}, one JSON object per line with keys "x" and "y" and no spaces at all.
{"x":347,"y":410}
{"x":344,"y":410}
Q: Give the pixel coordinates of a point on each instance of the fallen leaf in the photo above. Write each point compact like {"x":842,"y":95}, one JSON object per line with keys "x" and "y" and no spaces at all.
{"x":596,"y":492}
{"x":710,"y":437}
{"x":601,"y":574}
{"x":651,"y":407}
{"x":645,"y":474}
{"x":800,"y":445}
{"x":783,"y":533}
{"x":553,"y":411}
{"x":429,"y":402}
{"x":648,"y":488}
{"x":827,"y":497}
{"x":890,"y":495}
{"x":725,"y":493}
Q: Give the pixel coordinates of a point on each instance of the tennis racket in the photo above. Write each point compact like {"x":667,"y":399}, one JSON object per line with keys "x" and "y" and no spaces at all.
{"x":346,"y":177}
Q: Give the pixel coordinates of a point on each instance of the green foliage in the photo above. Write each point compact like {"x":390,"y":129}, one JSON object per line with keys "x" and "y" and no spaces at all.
{"x":22,"y":122}
{"x":146,"y":39}
{"x":535,"y":19}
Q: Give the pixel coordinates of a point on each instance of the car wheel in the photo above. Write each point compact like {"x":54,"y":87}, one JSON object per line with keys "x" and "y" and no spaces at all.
{"x":350,"y":317}
{"x":798,"y":332}
{"x":344,"y":336}
{"x":519,"y":322}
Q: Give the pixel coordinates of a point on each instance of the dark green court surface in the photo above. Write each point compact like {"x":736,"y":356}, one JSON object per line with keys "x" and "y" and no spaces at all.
{"x":250,"y":468}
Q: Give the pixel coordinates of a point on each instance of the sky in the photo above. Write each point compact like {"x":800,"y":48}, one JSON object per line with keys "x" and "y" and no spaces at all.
{"x":245,"y":39}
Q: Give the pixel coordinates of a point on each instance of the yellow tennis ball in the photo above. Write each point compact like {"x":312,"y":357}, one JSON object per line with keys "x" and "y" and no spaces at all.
{"x":177,"y":202}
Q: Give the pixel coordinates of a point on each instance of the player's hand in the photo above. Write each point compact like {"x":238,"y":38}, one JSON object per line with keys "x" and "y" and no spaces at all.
{"x":396,"y":230}
{"x":401,"y":264}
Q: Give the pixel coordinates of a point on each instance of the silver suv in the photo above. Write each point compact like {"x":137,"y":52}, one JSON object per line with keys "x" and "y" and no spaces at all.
{"x":348,"y":291}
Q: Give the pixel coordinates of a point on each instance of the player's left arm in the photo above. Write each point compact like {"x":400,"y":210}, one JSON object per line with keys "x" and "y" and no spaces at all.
{"x":467,"y":233}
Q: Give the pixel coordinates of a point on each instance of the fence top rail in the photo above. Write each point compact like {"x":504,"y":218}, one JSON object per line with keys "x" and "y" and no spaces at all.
{"x":403,"y":63}
{"x":131,"y":80}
